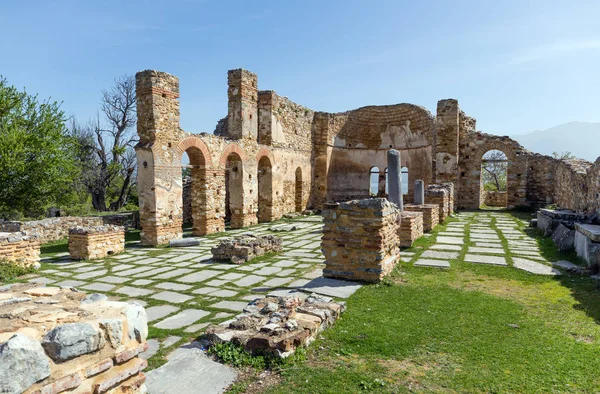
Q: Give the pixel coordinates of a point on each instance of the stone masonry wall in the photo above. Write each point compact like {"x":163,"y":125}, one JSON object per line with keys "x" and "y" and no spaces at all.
{"x":431,"y":214}
{"x":360,"y":239}
{"x":20,"y":249}
{"x":577,"y":183}
{"x":411,"y":228}
{"x":56,"y":340}
{"x":88,"y":243}
{"x":495,"y":198}
{"x":437,"y":194}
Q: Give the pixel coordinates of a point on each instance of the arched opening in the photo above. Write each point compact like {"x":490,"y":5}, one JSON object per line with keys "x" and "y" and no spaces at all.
{"x":265,"y":190}
{"x":234,"y":191}
{"x":299,"y":190}
{"x":374,"y":181}
{"x":494,"y":179}
{"x":194,"y":191}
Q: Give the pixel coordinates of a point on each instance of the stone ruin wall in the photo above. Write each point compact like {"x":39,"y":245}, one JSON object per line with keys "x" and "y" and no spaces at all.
{"x":287,"y":149}
{"x":58,"y":340}
{"x":495,"y":198}
{"x":360,"y":239}
{"x":359,"y":140}
{"x":19,"y":249}
{"x":91,"y":243}
{"x":332,"y":153}
{"x":54,"y":229}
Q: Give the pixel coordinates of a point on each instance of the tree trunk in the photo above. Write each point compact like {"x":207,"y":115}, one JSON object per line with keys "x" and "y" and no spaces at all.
{"x":122,"y":200}
{"x":99,"y":200}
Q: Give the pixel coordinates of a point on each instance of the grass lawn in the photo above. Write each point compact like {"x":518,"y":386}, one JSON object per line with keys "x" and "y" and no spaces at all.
{"x":470,"y":329}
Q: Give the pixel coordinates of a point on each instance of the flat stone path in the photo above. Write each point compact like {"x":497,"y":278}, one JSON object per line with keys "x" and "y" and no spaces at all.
{"x":184,"y":290}
{"x":487,"y":238}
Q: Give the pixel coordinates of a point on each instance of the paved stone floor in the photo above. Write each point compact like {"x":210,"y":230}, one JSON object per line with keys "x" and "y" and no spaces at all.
{"x":492,"y":238}
{"x":183,"y":290}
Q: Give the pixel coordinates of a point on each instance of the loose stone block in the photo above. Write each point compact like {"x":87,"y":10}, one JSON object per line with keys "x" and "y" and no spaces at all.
{"x":244,"y":248}
{"x":360,"y":239}
{"x":71,"y":340}
{"x":87,"y":243}
{"x":277,"y":325}
{"x":22,"y":363}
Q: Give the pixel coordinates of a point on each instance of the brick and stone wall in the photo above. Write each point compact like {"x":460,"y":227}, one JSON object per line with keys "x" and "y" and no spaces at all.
{"x":431,"y":214}
{"x":87,"y":243}
{"x":495,"y":198}
{"x":54,"y":229}
{"x":56,"y":340}
{"x":411,"y":228}
{"x":360,"y":239}
{"x":22,"y":250}
{"x":439,"y":195}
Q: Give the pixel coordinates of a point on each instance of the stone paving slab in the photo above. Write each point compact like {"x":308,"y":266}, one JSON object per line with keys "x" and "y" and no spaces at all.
{"x":434,"y":254}
{"x":445,"y":247}
{"x":450,"y":240}
{"x":485,"y":259}
{"x":331,"y":287}
{"x":160,"y":311}
{"x":431,"y":263}
{"x":475,"y":249}
{"x":236,"y":306}
{"x":534,"y":267}
{"x":565,"y":264}
{"x":133,"y":291}
{"x":182,"y":319}
{"x":172,"y":297}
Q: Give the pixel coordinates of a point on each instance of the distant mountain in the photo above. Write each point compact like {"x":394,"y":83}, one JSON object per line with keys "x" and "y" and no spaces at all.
{"x":582,"y":139}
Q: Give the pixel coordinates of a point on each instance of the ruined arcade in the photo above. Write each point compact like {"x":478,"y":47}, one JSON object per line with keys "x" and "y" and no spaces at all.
{"x":270,"y":156}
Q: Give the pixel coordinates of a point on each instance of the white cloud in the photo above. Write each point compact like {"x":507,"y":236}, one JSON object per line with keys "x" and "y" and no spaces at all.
{"x":556,"y":49}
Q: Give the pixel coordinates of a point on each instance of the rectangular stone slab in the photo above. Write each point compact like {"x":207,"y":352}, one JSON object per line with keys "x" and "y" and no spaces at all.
{"x":485,"y":259}
{"x":432,"y":263}
{"x":589,"y":230}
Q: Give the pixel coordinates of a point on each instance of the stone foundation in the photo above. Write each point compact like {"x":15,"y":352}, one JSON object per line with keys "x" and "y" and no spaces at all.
{"x":495,"y":198}
{"x":431,"y":214}
{"x":278,"y":325}
{"x":411,"y":228}
{"x":54,"y":340}
{"x":436,"y":194}
{"x":587,"y":242}
{"x":88,"y":243}
{"x":242,"y":249}
{"x":360,"y":239}
{"x":54,"y":229}
{"x":22,"y":250}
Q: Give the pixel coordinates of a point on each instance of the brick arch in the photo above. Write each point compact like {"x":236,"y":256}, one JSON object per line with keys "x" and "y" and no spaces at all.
{"x":265,"y":152}
{"x":229,"y":149}
{"x":189,"y":142}
{"x":512,"y":150}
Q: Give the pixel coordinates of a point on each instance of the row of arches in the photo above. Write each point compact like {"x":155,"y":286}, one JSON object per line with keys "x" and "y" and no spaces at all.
{"x":378,"y":182}
{"x":238,"y":210}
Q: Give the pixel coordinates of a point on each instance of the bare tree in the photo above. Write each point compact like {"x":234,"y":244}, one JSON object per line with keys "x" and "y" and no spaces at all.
{"x":494,"y":165}
{"x":107,"y":153}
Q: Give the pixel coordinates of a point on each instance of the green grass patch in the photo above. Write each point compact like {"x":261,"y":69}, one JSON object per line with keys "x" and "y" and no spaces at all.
{"x":10,"y":272}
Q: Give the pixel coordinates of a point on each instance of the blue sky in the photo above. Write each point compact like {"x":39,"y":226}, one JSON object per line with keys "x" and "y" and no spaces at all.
{"x":516,"y":66}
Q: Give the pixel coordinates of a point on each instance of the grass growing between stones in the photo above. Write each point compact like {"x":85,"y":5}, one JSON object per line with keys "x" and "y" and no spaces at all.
{"x":469,"y":328}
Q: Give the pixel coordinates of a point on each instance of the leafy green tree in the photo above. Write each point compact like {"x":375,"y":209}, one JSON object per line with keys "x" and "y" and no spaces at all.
{"x":37,"y":162}
{"x":494,"y":166}
{"x":563,"y":155}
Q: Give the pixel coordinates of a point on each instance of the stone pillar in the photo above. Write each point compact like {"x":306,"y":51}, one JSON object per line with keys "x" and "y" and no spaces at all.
{"x":242,"y":96}
{"x":419,"y":192}
{"x":395,"y":178}
{"x":447,"y":141}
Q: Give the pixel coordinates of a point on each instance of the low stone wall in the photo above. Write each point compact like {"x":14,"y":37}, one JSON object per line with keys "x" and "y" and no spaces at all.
{"x":87,"y":243}
{"x":278,"y":325}
{"x":411,"y":228}
{"x":54,"y":340}
{"x":22,"y":250}
{"x":54,"y":229}
{"x":360,"y":239}
{"x":241,"y":249}
{"x":436,"y":194}
{"x":431,"y":214}
{"x":495,"y":198}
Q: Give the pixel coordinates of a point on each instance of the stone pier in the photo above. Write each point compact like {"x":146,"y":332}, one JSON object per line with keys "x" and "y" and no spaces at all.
{"x":360,"y":239}
{"x":395,"y":178}
{"x":419,"y":192}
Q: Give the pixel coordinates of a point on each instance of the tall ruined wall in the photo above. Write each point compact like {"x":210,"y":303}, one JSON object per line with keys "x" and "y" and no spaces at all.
{"x":541,"y":180}
{"x":359,"y":139}
{"x":578,"y":185}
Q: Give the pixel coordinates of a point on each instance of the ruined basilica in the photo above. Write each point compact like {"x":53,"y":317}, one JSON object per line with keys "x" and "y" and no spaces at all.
{"x":270,"y":156}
